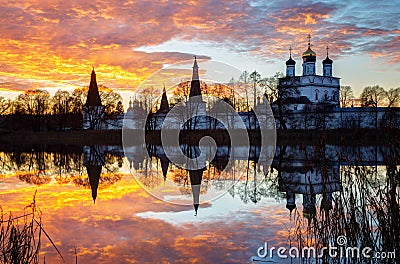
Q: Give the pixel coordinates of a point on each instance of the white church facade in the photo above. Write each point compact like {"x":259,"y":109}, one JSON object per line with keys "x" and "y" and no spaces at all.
{"x":309,"y":88}
{"x":305,"y":102}
{"x":312,"y":101}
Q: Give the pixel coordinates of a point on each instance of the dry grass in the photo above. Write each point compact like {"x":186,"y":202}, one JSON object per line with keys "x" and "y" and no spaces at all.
{"x":21,"y":236}
{"x":366,"y":211}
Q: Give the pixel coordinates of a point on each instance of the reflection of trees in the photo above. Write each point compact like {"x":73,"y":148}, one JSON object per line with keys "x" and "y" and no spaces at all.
{"x":40,"y":165}
{"x":106,"y":180}
{"x":366,"y":211}
{"x":255,"y":185}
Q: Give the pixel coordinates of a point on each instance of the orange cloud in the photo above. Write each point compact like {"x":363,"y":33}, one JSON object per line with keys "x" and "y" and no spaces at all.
{"x":44,"y":42}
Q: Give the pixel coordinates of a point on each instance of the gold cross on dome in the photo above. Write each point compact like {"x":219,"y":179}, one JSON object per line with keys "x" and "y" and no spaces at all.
{"x":309,"y":40}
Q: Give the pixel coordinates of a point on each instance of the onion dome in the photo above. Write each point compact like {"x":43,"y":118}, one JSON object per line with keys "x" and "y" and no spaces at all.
{"x":290,"y":61}
{"x":290,"y":207}
{"x":309,"y":52}
{"x":327,"y":59}
{"x":309,"y":55}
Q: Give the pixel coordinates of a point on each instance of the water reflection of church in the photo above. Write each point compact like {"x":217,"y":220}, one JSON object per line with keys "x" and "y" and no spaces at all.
{"x":312,"y":171}
{"x":308,"y":171}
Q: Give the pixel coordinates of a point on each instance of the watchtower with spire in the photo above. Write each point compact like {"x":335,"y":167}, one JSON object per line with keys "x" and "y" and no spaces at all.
{"x":164,"y":105}
{"x":195,"y":104}
{"x":93,"y":110}
{"x":93,"y":160}
{"x":195,"y":83}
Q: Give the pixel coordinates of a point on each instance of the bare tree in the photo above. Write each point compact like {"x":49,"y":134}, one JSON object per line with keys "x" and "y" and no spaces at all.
{"x":5,"y":105}
{"x":244,"y":81}
{"x":181,"y":91}
{"x":255,"y":78}
{"x":60,"y":102}
{"x":270,"y":85}
{"x":372,"y":96}
{"x":392,"y":97}
{"x":346,"y":94}
{"x":78,"y":99}
{"x":110,"y":100}
{"x":286,"y":89}
{"x":34,"y":103}
{"x":119,"y":110}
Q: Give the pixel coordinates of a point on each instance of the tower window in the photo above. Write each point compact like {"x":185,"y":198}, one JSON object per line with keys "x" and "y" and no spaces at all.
{"x":316,"y":95}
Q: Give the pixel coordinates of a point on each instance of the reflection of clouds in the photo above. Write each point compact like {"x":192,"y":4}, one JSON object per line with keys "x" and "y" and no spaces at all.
{"x":112,"y":232}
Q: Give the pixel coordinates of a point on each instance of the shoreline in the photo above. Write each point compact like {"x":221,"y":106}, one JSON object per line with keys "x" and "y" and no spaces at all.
{"x":284,"y":137}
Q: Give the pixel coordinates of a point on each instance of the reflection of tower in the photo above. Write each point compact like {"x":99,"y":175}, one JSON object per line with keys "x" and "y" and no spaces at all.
{"x":196,"y":164}
{"x":164,"y":166}
{"x":93,"y":160}
{"x":195,"y":182}
{"x":308,"y":171}
{"x":290,"y":200}
{"x":309,"y":208}
{"x":93,"y":111}
{"x":135,"y":155}
{"x":326,"y":202}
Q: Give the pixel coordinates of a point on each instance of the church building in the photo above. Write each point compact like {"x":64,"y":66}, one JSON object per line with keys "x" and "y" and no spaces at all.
{"x":309,"y":88}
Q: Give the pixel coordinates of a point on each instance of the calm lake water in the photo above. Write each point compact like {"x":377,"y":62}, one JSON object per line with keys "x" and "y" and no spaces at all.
{"x":138,"y":207}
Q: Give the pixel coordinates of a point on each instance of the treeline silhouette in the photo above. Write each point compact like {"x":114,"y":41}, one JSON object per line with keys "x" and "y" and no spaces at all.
{"x":37,"y":110}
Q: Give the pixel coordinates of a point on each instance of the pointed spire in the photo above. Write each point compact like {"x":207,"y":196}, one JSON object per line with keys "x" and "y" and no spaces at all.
{"x":309,"y":41}
{"x":164,"y":105}
{"x":94,"y":172}
{"x":195,"y":182}
{"x":164,"y":166}
{"x":195,"y":75}
{"x":327,"y":51}
{"x":195,"y":84}
{"x":93,"y":76}
{"x":290,"y":51}
{"x":93,"y":97}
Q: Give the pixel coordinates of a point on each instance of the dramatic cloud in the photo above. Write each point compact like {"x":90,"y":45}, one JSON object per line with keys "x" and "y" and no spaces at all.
{"x":60,"y":40}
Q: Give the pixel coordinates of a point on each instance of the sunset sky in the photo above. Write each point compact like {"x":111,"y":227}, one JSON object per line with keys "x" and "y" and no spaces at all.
{"x":54,"y":44}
